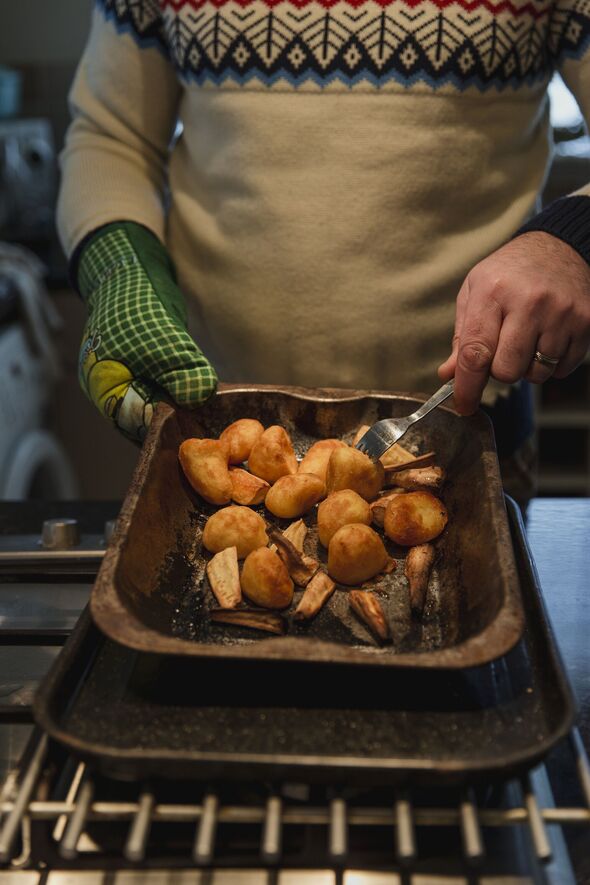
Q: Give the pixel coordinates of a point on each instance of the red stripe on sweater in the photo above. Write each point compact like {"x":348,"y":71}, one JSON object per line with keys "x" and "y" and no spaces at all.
{"x":494,"y":8}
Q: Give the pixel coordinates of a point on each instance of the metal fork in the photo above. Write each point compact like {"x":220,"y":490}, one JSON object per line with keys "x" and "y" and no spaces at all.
{"x":384,"y":434}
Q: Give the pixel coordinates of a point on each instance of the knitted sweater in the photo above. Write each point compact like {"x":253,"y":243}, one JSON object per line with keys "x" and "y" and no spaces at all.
{"x":342,"y":165}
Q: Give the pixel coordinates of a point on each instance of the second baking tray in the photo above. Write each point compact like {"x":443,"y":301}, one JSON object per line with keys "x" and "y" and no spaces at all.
{"x":132,"y":714}
{"x":152,"y":592}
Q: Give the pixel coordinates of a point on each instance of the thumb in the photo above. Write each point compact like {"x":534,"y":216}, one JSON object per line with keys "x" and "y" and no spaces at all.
{"x":189,"y":383}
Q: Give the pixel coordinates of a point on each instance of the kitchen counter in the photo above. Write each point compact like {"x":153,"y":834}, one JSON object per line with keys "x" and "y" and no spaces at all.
{"x":558,"y":531}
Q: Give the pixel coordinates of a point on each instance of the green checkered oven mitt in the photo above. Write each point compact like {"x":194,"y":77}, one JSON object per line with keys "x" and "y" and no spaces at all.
{"x":136,"y":349}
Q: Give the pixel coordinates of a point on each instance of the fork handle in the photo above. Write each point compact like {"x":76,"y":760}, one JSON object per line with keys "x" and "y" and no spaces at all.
{"x":435,"y":400}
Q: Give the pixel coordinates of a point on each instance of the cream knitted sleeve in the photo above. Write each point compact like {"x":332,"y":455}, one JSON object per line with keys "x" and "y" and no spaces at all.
{"x":124,"y":103}
{"x":568,"y":43}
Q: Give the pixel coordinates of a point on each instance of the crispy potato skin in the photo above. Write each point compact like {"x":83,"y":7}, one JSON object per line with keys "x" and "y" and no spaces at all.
{"x":247,"y":488}
{"x":265,"y":579}
{"x":379,"y":505}
{"x":414,"y":518}
{"x":341,"y":508}
{"x":356,"y":554}
{"x":272,"y":455}
{"x":240,"y":437}
{"x":318,"y":455}
{"x":204,"y":462}
{"x":292,"y":496}
{"x":350,"y":469}
{"x":235,"y":526}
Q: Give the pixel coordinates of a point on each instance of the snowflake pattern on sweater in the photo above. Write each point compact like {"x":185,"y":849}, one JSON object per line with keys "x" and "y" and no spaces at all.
{"x":466,"y":43}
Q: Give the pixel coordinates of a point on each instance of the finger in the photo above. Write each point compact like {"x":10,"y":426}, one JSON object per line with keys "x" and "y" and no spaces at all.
{"x":553,"y":345}
{"x":447,"y":369}
{"x":516,"y":345}
{"x":477,"y":346}
{"x":574,"y":355}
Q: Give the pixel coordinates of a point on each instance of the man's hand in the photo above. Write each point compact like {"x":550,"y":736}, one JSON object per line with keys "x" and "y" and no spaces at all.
{"x":532,"y":295}
{"x":136,"y":349}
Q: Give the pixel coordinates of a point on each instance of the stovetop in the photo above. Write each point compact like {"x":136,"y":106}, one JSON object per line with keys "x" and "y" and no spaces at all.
{"x":289,"y":834}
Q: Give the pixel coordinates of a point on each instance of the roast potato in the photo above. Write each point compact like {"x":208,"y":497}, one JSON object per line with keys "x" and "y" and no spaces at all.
{"x":204,"y":462}
{"x":414,"y":518}
{"x":240,"y":437}
{"x":265,"y":579}
{"x":355,"y":554}
{"x":379,"y":505}
{"x":292,"y":496}
{"x":317,"y":456}
{"x":350,"y":469}
{"x":272,"y":455}
{"x":235,"y":526}
{"x":341,"y":508}
{"x":247,"y":488}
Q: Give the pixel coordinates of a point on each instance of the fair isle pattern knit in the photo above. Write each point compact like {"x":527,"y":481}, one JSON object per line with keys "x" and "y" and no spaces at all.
{"x":478,"y":43}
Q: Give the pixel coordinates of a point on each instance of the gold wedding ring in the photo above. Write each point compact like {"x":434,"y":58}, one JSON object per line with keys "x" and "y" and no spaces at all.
{"x":548,"y":361}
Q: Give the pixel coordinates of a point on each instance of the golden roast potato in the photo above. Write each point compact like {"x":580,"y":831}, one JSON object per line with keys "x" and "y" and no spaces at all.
{"x":356,"y":554}
{"x":247,"y":488}
{"x":265,"y":579}
{"x":414,"y":518}
{"x":379,"y":505}
{"x":350,"y":469}
{"x":341,"y":508}
{"x":240,"y":437}
{"x":204,"y":462}
{"x":272,"y":455}
{"x":235,"y":527}
{"x":317,"y":456}
{"x":292,"y":496}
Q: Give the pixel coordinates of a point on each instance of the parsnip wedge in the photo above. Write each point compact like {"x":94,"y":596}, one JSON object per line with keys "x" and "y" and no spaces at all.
{"x":301,"y":568}
{"x":420,"y":479}
{"x":368,"y":608}
{"x":418,"y":566}
{"x":317,"y":593}
{"x":413,"y":462}
{"x":296,"y":533}
{"x":270,"y":622}
{"x":224,"y":577}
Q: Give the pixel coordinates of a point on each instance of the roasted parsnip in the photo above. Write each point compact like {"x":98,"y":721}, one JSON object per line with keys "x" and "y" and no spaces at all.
{"x":270,"y":622}
{"x":296,"y":533}
{"x":224,"y":577}
{"x":419,"y":479}
{"x":317,"y":592}
{"x":419,"y":563}
{"x":368,"y":608}
{"x":301,"y":568}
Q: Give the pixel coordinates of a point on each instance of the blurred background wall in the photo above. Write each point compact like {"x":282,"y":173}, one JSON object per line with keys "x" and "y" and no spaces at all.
{"x":42,"y":41}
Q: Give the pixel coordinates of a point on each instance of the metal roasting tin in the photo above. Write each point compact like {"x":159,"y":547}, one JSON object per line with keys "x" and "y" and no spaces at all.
{"x":139,"y":715}
{"x":152,"y":594}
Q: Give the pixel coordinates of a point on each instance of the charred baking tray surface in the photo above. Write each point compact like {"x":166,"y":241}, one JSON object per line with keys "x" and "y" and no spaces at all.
{"x":152,"y":592}
{"x":133,"y":714}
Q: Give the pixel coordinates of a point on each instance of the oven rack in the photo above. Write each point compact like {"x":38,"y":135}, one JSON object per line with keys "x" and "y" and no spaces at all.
{"x":21,"y":807}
